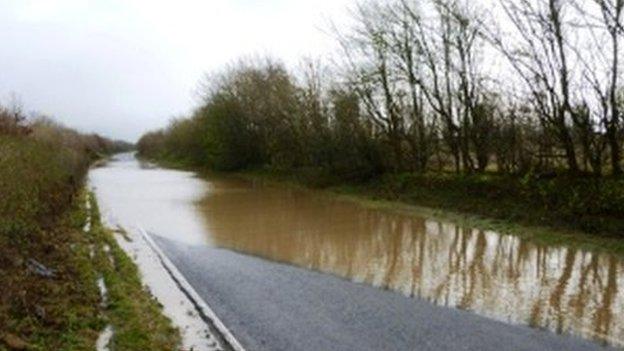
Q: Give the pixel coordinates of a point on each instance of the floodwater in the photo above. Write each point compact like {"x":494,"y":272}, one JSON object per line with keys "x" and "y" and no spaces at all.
{"x":562,"y":289}
{"x":135,"y":197}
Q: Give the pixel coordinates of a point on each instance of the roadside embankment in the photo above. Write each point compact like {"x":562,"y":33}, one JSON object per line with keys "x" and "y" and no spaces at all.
{"x":63,"y":278}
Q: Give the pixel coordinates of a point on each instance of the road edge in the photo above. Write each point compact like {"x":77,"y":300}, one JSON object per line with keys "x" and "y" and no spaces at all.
{"x":188,"y":289}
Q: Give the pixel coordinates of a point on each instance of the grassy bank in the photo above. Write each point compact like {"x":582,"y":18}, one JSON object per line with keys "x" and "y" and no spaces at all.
{"x":49,"y":266}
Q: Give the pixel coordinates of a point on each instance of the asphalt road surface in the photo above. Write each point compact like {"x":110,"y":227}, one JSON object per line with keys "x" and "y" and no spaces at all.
{"x":272,"y":306}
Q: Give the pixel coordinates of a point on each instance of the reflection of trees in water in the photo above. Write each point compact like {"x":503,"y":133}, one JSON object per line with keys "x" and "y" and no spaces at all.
{"x":496,"y":275}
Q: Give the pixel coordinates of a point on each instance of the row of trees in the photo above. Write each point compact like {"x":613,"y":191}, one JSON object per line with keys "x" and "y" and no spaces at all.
{"x":426,"y":85}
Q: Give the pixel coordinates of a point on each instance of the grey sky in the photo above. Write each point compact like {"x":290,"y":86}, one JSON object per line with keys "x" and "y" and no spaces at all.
{"x":121,"y":67}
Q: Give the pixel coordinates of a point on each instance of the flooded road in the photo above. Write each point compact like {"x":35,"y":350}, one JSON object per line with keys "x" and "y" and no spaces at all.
{"x":159,"y":200}
{"x":499,"y":276}
{"x":503,"y":277}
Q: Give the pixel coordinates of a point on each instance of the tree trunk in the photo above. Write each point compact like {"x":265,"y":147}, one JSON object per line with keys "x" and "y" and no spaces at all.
{"x":570,"y":152}
{"x":616,"y":152}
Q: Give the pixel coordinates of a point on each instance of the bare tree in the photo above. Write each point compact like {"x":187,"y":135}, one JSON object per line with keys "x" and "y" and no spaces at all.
{"x":476,"y":112}
{"x":614,"y":23}
{"x":372,"y":74}
{"x":603,"y":22}
{"x":404,"y":47}
{"x":540,"y":57}
{"x":432,"y":43}
{"x":445,"y":37}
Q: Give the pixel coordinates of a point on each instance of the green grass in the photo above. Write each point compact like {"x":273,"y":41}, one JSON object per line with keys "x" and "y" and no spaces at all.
{"x":64,"y":313}
{"x":40,"y":219}
{"x":58,"y":313}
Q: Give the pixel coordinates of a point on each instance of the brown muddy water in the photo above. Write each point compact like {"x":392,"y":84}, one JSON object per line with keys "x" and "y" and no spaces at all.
{"x":500,"y":276}
{"x":562,"y":289}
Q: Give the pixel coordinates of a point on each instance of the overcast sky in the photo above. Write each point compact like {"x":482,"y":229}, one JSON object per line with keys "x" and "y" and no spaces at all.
{"x":121,"y":67}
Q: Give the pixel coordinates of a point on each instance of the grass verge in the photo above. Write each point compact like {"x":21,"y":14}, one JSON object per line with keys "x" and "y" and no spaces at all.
{"x":62,"y":310}
{"x":136,"y":317}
